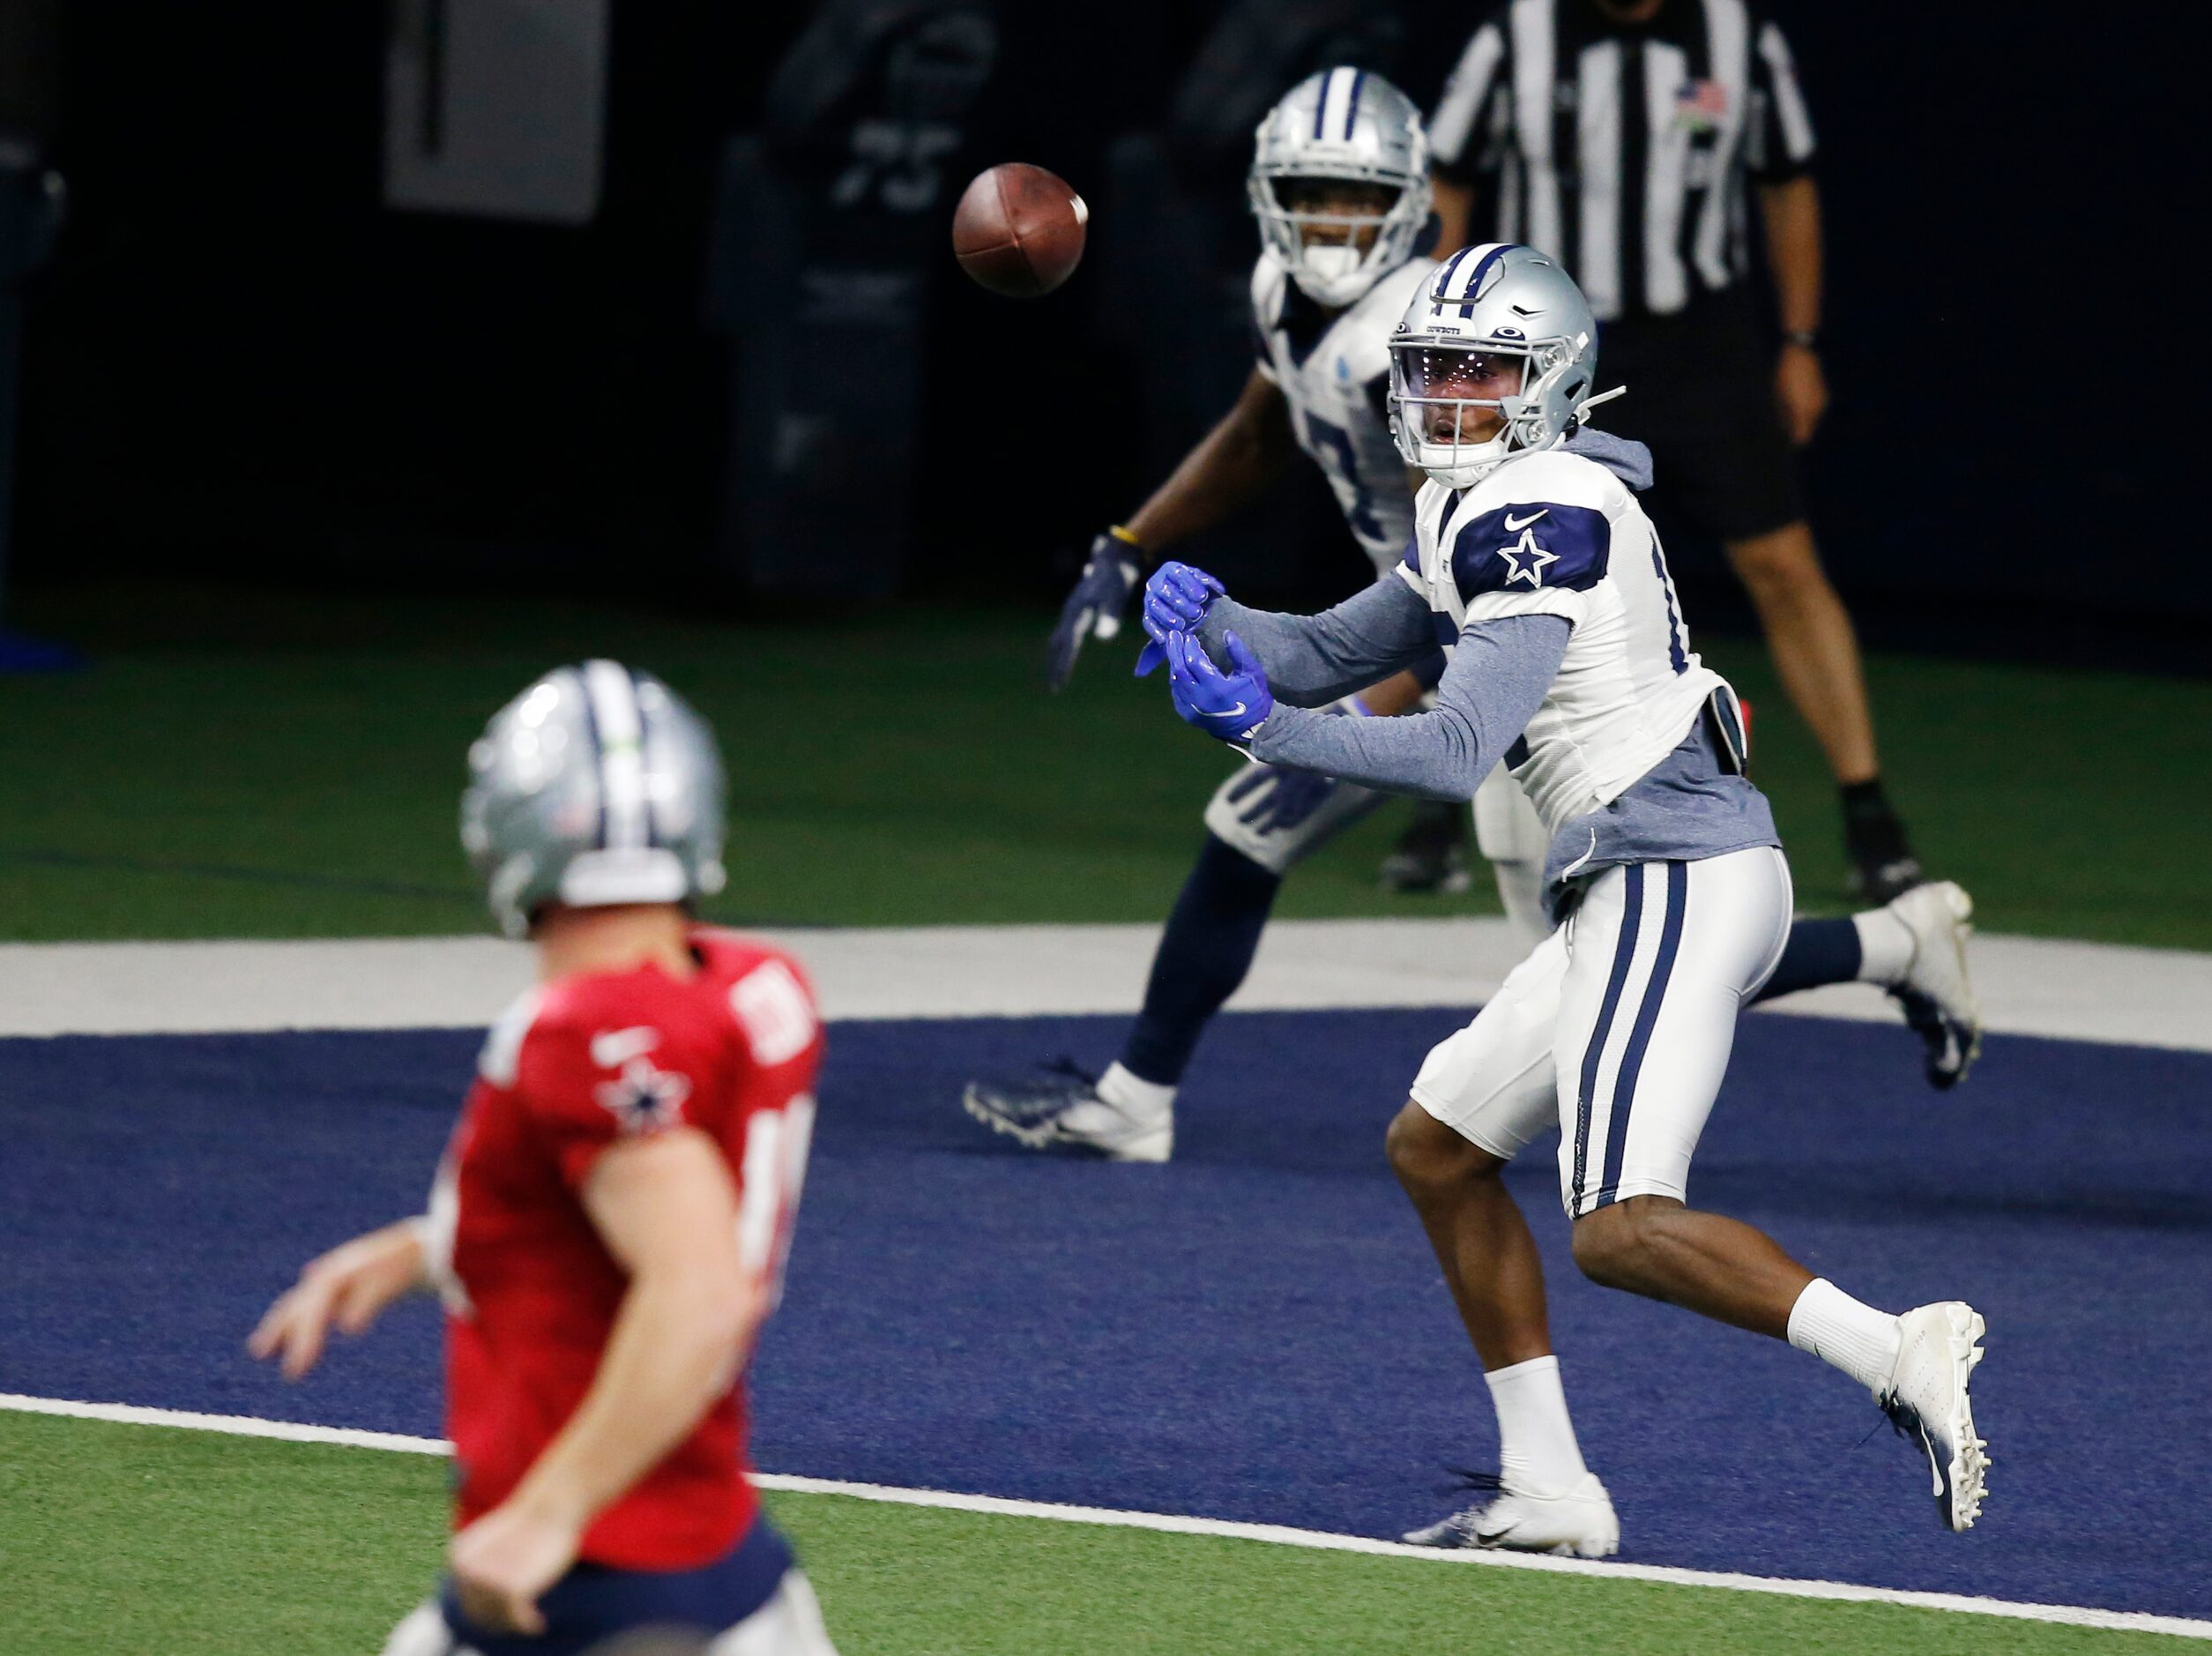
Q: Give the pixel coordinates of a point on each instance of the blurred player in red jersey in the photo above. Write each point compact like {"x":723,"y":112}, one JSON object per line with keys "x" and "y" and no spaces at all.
{"x":608,"y":1225}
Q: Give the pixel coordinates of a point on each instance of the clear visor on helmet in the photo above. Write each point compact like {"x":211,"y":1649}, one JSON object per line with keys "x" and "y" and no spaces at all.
{"x":1449,"y":395}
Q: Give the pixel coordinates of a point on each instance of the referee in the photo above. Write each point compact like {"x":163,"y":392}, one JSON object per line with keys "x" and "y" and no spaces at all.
{"x":1617,"y":135}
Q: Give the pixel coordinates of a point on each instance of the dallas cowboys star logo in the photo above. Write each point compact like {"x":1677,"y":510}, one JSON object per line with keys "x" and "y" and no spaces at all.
{"x":643,"y":1098}
{"x":1532,"y":570}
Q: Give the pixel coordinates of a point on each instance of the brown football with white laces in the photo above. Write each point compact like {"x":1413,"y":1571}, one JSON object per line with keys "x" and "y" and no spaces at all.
{"x":1019,"y":230}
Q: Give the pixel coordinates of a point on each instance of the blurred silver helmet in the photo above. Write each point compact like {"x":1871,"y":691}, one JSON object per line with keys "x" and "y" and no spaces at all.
{"x":1498,"y":301}
{"x":597,"y":785}
{"x":1342,"y":125}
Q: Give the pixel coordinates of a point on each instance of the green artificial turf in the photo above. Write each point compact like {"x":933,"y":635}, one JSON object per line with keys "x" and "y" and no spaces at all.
{"x":117,"y":1538}
{"x":270,"y":766}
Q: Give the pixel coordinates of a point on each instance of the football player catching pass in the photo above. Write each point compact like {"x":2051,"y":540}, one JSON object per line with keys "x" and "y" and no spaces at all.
{"x":607,"y":1228}
{"x":1534,"y":562}
{"x":1340,"y":185}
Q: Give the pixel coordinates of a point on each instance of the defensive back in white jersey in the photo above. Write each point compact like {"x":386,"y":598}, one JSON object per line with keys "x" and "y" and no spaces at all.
{"x":1557,"y":533}
{"x":1333,"y":370}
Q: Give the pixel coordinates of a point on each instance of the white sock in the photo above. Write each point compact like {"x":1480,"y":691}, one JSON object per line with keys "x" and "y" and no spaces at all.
{"x":1535,"y":1437}
{"x":1886,"y":946}
{"x":1141,"y":1099}
{"x":1836,"y":1328}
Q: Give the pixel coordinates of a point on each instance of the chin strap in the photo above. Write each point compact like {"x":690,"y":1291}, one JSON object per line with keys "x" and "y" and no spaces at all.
{"x":1583,"y":408}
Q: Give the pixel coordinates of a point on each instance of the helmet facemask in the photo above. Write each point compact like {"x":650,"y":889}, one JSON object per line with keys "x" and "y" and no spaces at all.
{"x":1334,"y":250}
{"x":1460,"y":411}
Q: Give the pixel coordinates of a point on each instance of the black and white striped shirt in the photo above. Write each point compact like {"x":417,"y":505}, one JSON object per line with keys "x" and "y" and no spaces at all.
{"x":1621,"y":149}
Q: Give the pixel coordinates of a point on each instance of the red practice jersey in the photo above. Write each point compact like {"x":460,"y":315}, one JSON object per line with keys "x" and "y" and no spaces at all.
{"x":531,"y":1291}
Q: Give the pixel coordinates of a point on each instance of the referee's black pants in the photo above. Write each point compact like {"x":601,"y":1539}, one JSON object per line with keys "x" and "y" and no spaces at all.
{"x":1702,"y":397}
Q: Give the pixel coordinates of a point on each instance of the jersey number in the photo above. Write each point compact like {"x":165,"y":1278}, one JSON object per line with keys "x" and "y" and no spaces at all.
{"x":774,"y":1171}
{"x":777,"y":1018}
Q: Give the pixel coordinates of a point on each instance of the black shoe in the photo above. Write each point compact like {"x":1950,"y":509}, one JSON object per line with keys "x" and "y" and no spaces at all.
{"x":1431,"y":855}
{"x":1882,"y":866}
{"x":1878,"y":880}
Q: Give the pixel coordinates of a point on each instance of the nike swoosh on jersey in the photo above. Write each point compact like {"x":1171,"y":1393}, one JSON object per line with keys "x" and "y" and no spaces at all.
{"x":612,"y":1048}
{"x":1513,"y":526}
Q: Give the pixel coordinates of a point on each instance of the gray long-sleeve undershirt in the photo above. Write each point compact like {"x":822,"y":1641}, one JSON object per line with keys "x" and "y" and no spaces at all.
{"x":1496,"y":682}
{"x":1312,"y":660}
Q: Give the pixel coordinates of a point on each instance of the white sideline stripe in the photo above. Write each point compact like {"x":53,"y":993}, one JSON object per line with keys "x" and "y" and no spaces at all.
{"x":1282,"y":1535}
{"x":2077,"y":991}
{"x":229,"y":1425}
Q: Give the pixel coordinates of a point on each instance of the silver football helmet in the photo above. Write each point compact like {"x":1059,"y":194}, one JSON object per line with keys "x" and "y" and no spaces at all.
{"x":597,"y":785}
{"x":1342,"y":125}
{"x":1506,"y":323}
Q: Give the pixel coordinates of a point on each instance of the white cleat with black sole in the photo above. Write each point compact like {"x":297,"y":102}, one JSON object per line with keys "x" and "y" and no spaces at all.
{"x":1936,"y":994}
{"x":1576,"y":1523}
{"x":1926,"y":1400}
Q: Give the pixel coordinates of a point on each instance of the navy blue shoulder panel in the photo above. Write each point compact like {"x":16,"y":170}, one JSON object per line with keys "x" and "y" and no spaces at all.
{"x":1378,"y":398}
{"x":1300,"y":321}
{"x":1530,"y":548}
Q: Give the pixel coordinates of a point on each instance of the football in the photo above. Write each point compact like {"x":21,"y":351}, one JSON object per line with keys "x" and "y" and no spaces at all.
{"x":1019,"y":230}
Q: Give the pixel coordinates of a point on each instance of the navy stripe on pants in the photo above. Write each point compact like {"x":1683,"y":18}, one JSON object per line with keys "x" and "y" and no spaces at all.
{"x":1624,"y":951}
{"x":1677,"y":878}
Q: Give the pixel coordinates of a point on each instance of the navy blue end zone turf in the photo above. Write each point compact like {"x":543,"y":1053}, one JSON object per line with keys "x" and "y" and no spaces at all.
{"x":1256,"y":1330}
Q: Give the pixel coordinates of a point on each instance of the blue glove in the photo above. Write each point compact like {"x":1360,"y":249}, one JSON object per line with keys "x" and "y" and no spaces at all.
{"x":1228,"y":705}
{"x":1272,"y":800}
{"x":1095,"y":606}
{"x":1176,"y":599}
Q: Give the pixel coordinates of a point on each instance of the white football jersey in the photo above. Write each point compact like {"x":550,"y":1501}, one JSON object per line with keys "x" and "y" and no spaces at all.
{"x":1558,"y":534}
{"x":1335,"y":373}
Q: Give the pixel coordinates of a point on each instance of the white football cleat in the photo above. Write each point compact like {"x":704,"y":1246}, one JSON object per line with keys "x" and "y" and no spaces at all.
{"x":1576,"y":1523}
{"x":1094,"y":1124}
{"x":1926,"y":1400}
{"x":1060,"y":1109}
{"x":1936,"y":993}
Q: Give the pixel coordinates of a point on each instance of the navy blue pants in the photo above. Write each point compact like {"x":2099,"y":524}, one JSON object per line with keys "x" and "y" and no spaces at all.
{"x":593,"y":1602}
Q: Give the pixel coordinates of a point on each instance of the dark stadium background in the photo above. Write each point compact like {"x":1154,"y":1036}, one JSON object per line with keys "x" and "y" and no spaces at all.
{"x":306,"y":486}
{"x":241,"y":367}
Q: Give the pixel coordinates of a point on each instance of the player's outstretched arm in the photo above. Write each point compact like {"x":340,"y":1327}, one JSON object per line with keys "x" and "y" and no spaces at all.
{"x":1245,"y":450}
{"x":1311,"y":661}
{"x":347,"y":1288}
{"x":667,"y":1210}
{"x":1497,"y":680}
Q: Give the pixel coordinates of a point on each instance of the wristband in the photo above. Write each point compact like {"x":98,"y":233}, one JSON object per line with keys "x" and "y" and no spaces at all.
{"x":1806,"y":337}
{"x":1125,"y":537}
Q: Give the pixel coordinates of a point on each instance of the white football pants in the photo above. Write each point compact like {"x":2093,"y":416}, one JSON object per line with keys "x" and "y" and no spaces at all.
{"x":1618,"y":1027}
